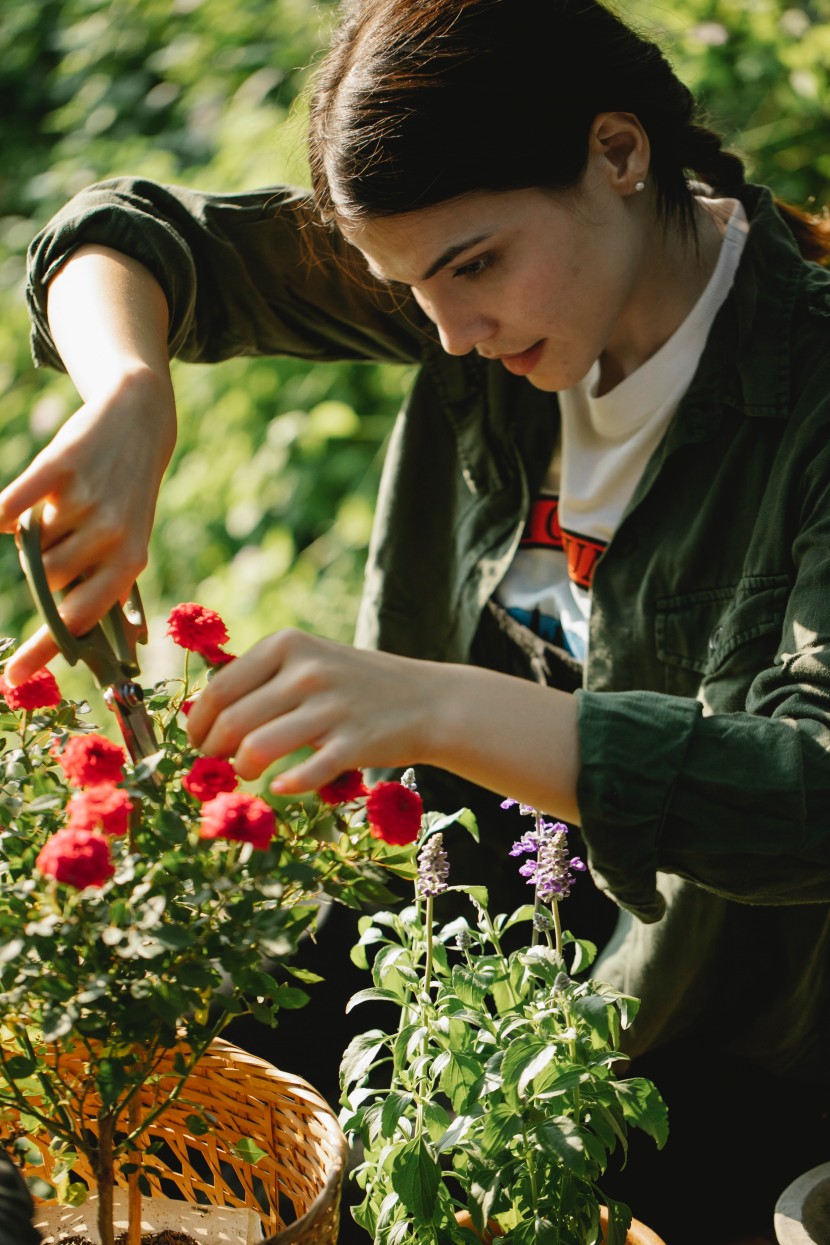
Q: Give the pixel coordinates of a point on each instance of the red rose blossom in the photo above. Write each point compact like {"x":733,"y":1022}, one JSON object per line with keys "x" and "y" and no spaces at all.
{"x":344,"y":788}
{"x":197,"y":628}
{"x":78,"y":858}
{"x":38,"y":692}
{"x":208,"y":777}
{"x":103,"y":807}
{"x":215,"y":656}
{"x":394,"y":813}
{"x":88,"y":760}
{"x":239,"y":816}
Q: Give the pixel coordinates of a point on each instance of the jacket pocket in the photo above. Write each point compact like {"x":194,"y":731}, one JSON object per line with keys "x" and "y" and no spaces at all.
{"x":727,"y":633}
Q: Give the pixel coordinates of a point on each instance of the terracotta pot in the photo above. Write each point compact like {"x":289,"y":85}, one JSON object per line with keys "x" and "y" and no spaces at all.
{"x":638,"y":1233}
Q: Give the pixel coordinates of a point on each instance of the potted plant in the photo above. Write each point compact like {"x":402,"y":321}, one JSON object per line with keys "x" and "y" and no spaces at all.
{"x":492,"y":1103}
{"x":131,"y":895}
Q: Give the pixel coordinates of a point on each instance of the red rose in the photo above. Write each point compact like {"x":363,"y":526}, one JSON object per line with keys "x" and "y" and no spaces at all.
{"x":197,"y":628}
{"x":239,"y":816}
{"x":38,"y":692}
{"x":342,"y":790}
{"x":78,"y":858}
{"x":103,"y":807}
{"x":208,"y":777}
{"x":88,"y":760}
{"x":215,"y":656}
{"x":394,"y":813}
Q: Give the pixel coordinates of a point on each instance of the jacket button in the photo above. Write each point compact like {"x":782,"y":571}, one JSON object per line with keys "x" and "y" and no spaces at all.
{"x":714,"y":638}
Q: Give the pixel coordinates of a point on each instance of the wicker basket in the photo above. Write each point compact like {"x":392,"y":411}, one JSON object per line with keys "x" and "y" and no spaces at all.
{"x":295,"y":1188}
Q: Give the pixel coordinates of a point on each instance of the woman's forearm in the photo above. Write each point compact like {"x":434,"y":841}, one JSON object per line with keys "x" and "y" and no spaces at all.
{"x":509,"y":736}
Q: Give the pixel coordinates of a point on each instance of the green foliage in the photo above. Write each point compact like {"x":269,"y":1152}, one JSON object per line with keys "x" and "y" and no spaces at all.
{"x":495,"y":1090}
{"x":267,"y":507}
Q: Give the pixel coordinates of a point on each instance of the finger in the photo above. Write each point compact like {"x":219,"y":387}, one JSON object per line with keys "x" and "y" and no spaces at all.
{"x":31,"y":486}
{"x":253,"y":672}
{"x":92,"y":559}
{"x":312,"y":773}
{"x":265,"y":725}
{"x":32,"y":656}
{"x":80,"y":609}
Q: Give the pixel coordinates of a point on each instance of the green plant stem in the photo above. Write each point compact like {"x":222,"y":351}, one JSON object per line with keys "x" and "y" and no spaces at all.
{"x":424,"y":1009}
{"x":557,"y":926}
{"x":428,"y":919}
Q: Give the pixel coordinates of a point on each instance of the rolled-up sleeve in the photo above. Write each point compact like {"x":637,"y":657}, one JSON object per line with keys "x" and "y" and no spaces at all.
{"x":737,"y":803}
{"x":244,"y":274}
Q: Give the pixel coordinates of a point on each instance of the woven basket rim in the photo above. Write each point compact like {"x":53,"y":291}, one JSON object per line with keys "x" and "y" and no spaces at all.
{"x":326,"y":1149}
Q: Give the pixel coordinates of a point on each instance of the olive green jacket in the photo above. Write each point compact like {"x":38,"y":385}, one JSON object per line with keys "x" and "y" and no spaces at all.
{"x":704,"y":707}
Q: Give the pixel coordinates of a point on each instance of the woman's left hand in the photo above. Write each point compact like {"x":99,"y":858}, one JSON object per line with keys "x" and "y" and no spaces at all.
{"x":357,"y":709}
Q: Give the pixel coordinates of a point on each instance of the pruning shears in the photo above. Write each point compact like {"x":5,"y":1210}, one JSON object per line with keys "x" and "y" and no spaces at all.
{"x":109,"y":648}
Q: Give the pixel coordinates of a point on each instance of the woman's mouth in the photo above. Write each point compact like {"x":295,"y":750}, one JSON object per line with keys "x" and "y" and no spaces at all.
{"x":524,"y":362}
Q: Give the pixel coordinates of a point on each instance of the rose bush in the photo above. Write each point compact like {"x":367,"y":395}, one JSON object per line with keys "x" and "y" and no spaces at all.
{"x":142,"y":906}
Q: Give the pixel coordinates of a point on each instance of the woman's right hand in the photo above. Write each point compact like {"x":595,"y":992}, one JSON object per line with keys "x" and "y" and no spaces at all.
{"x":100,"y":475}
{"x":98,"y":479}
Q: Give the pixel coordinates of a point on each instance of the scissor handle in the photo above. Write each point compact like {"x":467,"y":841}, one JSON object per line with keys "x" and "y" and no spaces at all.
{"x":108,"y":648}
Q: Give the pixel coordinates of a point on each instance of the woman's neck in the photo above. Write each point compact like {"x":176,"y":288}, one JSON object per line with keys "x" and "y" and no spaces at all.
{"x":676,"y":269}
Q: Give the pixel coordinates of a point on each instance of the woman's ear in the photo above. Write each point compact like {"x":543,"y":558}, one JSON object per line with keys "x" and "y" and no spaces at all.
{"x":619,"y":139}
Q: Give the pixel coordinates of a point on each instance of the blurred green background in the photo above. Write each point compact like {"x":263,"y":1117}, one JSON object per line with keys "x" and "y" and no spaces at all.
{"x":267,"y":506}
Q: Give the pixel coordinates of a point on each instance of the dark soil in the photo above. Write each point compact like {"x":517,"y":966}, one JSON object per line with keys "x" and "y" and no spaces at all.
{"x":167,"y":1237}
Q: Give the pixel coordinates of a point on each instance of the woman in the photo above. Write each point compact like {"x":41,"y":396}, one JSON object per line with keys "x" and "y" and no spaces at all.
{"x":612,"y":480}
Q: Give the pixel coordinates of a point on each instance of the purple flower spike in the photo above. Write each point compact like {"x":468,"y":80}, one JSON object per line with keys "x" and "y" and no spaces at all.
{"x":433,"y":867}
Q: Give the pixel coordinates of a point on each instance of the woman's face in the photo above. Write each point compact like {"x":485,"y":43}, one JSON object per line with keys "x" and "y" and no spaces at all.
{"x":544,"y":282}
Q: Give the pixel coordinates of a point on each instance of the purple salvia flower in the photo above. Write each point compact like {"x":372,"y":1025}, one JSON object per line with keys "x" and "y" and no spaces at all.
{"x":433,"y":867}
{"x":526,"y":844}
{"x":553,"y":878}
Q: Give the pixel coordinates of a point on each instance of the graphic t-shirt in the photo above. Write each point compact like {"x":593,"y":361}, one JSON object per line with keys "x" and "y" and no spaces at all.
{"x":605,"y":442}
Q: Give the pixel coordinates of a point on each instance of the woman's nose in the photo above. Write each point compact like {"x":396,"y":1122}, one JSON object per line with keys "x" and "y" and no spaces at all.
{"x":460,"y":328}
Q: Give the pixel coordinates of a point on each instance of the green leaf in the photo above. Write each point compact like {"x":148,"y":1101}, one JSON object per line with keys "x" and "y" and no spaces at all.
{"x":460,"y":1079}
{"x":198,"y":1125}
{"x":290,"y":997}
{"x":619,"y":1221}
{"x":415,"y":1176}
{"x":501,"y":1126}
{"x":360,"y":1054}
{"x":470,"y":987}
{"x":373,"y":994}
{"x":643,"y":1106}
{"x":563,"y":1140}
{"x":437,"y":822}
{"x":394,"y":1107}
{"x":248,"y":1150}
{"x":534,"y":1066}
{"x":110,"y":1079}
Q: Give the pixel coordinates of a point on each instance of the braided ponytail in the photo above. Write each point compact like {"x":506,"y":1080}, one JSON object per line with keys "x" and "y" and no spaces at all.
{"x":702,"y":152}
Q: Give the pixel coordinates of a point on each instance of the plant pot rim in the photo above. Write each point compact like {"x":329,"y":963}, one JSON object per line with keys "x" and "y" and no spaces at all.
{"x":802,"y":1212}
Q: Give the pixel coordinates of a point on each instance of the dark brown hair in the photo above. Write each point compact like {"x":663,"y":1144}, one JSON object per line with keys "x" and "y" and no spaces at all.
{"x":419,"y":101}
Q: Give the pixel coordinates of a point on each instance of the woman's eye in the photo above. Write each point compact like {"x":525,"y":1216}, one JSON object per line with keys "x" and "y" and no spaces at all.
{"x":475,"y":267}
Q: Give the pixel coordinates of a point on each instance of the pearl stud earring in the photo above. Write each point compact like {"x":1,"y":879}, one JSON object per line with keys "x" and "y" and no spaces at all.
{"x":638,"y":186}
